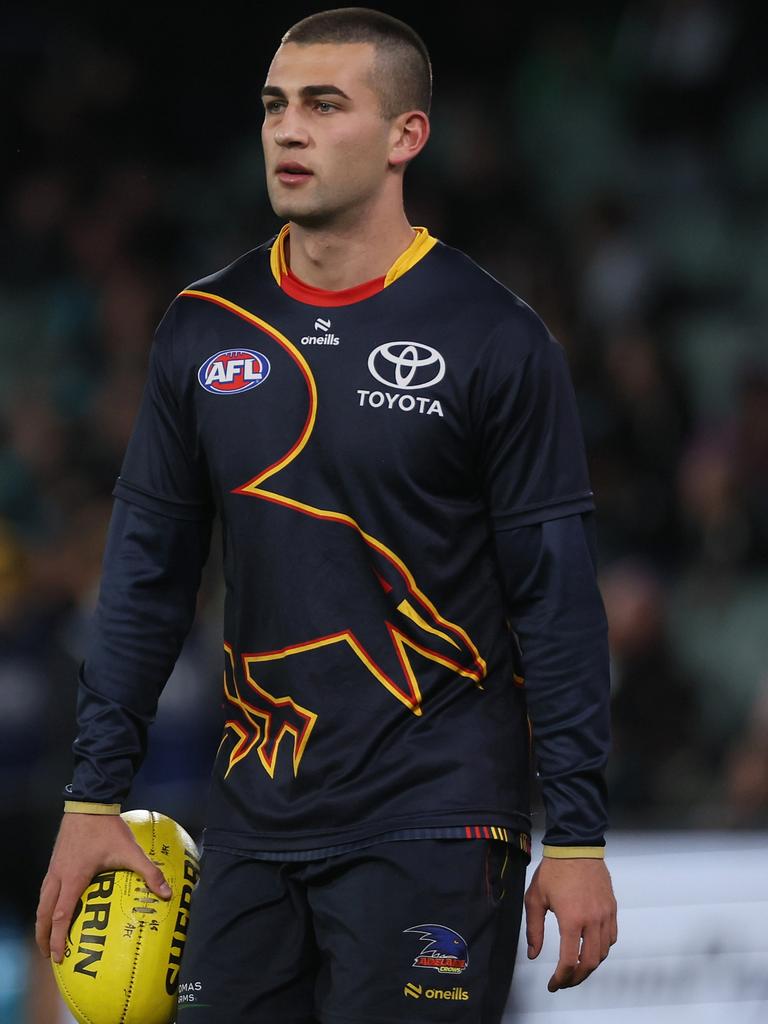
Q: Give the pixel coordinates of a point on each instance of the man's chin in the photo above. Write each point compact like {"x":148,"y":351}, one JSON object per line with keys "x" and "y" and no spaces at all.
{"x":304,"y":216}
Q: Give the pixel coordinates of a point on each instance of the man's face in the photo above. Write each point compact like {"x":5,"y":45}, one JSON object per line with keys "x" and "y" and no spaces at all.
{"x":336,"y":132}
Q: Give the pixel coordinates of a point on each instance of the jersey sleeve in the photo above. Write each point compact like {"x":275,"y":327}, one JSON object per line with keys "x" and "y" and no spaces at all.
{"x":164,"y":468}
{"x":150,"y":576}
{"x":557,"y":613}
{"x":157,"y":545}
{"x":530,"y":448}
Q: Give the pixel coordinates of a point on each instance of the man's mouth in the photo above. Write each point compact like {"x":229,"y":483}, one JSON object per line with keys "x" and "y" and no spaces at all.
{"x":291,"y":172}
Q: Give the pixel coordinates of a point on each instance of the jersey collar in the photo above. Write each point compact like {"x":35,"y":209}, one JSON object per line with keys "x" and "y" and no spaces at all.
{"x":303,"y":292}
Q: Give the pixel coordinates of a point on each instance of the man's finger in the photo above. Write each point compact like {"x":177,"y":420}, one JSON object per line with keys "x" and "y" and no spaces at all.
{"x":62,"y":917}
{"x":49,"y":894}
{"x":535,"y":912}
{"x":605,"y":939}
{"x":589,"y":954}
{"x":569,"y":959}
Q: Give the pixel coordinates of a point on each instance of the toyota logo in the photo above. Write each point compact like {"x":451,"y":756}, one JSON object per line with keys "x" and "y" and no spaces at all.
{"x":406,"y":364}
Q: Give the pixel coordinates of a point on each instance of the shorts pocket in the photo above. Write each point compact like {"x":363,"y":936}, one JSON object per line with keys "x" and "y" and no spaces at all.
{"x":498,"y":855}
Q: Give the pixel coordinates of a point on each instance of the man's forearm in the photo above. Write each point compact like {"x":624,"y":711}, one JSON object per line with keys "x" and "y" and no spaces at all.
{"x":555,"y":607}
{"x":150,"y":577}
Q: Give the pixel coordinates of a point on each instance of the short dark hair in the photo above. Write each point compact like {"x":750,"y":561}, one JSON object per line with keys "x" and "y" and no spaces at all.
{"x":402,"y":71}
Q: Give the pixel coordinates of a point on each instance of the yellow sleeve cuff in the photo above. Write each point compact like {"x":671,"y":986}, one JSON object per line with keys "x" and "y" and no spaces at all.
{"x":566,"y":852}
{"x":84,"y":807}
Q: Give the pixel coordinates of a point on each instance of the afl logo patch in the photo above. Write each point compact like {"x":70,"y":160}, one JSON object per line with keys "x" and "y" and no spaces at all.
{"x":233,"y":370}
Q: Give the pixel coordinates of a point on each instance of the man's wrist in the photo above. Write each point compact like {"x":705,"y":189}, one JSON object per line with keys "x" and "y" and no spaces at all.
{"x":87,"y":807}
{"x":569,"y":852}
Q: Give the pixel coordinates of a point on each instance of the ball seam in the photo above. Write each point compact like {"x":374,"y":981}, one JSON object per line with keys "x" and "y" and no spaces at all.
{"x":137,"y":950}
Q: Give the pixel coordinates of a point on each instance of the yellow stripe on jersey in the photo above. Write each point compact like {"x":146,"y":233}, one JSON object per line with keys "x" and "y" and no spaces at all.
{"x":418,"y":249}
{"x":277,"y":255}
{"x":84,"y":807}
{"x":567,"y":852}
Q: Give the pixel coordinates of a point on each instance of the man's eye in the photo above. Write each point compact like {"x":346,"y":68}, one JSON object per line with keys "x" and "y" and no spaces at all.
{"x":324,"y":103}
{"x":270,"y":104}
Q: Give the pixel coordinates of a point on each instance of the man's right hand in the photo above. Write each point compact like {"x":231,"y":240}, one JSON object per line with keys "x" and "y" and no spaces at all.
{"x":86,"y":845}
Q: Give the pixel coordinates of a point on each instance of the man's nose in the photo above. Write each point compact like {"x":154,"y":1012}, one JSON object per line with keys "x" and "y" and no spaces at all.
{"x":291,"y":129}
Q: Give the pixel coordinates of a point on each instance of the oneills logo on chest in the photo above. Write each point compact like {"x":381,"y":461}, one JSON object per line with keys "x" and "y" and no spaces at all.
{"x":233,"y":370}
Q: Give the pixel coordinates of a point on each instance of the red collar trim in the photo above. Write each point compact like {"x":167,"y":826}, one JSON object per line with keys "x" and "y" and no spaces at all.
{"x":298,"y":289}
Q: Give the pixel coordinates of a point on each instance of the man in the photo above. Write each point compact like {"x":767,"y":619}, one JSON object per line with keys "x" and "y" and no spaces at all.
{"x":390,"y":439}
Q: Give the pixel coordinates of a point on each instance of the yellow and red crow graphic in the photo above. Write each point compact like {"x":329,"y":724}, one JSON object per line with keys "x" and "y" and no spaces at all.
{"x":408,"y":621}
{"x":270,"y":719}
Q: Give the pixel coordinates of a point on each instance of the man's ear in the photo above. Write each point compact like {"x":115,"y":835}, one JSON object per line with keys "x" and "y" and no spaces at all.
{"x":410,"y":132}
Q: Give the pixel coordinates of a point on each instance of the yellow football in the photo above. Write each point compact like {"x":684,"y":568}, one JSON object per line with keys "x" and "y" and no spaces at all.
{"x":124,"y":945}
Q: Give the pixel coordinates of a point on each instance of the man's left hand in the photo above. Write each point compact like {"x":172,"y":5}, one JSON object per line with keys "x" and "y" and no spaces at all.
{"x":579,"y":893}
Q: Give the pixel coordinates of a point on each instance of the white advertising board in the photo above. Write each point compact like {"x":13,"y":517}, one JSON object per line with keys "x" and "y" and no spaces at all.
{"x":693,"y":938}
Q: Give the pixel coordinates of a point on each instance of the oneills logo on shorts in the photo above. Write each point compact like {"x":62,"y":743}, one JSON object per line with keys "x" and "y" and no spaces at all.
{"x":414,"y":991}
{"x":233,"y":370}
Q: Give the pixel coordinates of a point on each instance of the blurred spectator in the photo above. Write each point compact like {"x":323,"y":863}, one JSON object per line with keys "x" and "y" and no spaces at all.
{"x":658,"y":769}
{"x":616,"y":270}
{"x":36,"y":700}
{"x":677,"y":52}
{"x":717,"y":527}
{"x":747,"y":769}
{"x":750,"y":451}
{"x":635,"y":444}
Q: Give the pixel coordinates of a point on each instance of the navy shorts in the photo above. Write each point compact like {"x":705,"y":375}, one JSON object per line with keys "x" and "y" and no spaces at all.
{"x":413,"y":930}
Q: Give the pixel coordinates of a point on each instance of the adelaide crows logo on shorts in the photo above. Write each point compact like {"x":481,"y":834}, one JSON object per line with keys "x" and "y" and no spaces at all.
{"x":233,"y":370}
{"x":443,"y":949}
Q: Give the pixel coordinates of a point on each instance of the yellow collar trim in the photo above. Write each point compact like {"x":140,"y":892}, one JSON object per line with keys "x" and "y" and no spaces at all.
{"x":277,"y":255}
{"x":417,"y":250}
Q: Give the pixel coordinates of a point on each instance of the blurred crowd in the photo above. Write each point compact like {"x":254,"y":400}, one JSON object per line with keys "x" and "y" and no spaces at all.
{"x":611,"y":169}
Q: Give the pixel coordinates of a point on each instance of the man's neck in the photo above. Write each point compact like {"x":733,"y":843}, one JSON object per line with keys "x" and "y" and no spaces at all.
{"x":337,"y":258}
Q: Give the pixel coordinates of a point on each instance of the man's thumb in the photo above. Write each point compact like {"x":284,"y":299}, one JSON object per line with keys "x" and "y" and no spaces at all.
{"x":534,"y":927}
{"x":154,"y":878}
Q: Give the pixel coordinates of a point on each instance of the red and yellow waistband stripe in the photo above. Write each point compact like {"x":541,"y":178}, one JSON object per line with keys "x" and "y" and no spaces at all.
{"x":487,"y":832}
{"x":522,"y":839}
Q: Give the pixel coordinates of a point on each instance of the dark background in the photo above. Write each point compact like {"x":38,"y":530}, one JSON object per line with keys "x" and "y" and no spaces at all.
{"x":609,"y":165}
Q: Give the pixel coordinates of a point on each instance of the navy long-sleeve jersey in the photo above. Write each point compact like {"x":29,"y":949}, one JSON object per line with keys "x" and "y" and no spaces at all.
{"x":408,"y":554}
